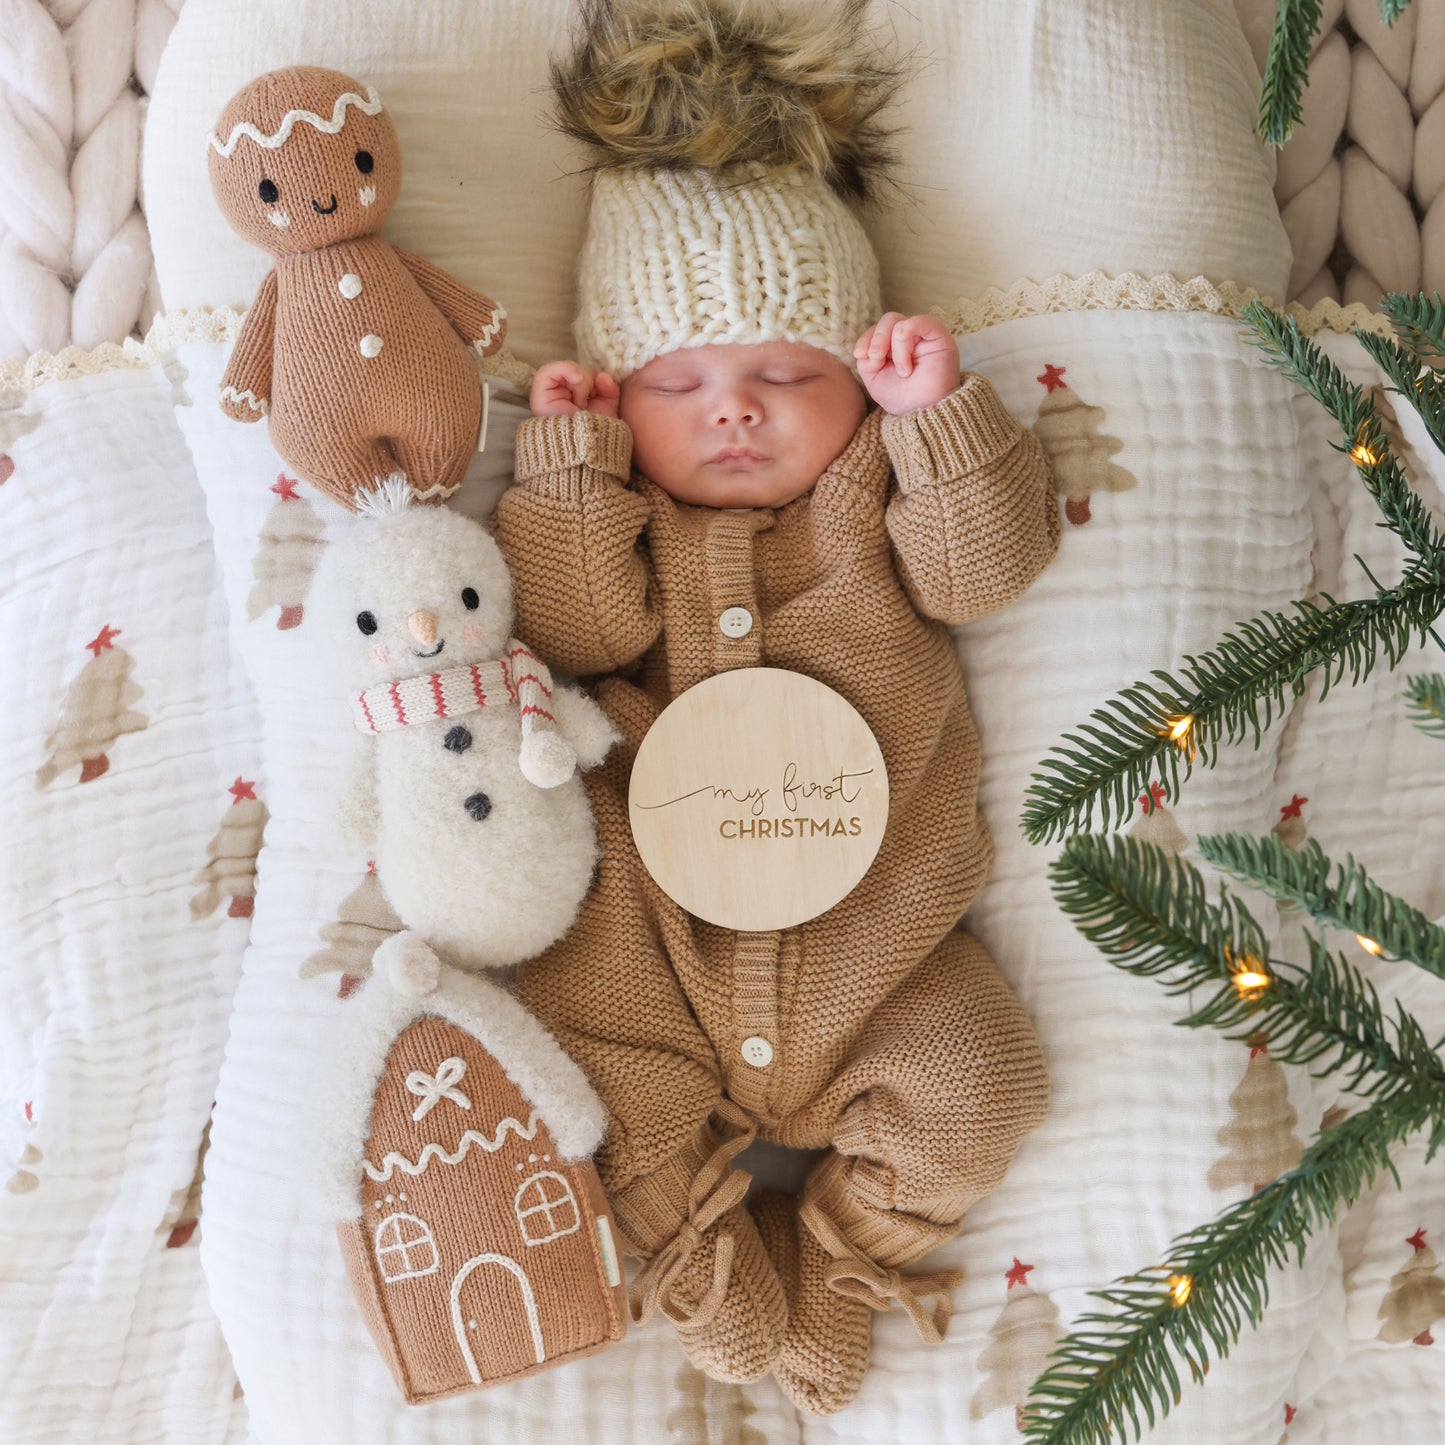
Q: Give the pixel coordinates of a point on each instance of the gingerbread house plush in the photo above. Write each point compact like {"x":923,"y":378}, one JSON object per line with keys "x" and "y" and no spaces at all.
{"x":473,"y":1227}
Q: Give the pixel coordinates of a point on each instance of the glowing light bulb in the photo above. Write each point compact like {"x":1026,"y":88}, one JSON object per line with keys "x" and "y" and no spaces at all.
{"x":1249,"y":977}
{"x":1181,"y":1286}
{"x":1362,"y":456}
{"x":1369,"y":945}
{"x":1180,"y":732}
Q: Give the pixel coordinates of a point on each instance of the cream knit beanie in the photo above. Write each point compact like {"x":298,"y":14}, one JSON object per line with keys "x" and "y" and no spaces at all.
{"x":729,"y":139}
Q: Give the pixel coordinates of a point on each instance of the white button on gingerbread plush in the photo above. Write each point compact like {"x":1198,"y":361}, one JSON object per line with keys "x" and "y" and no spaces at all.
{"x":306,"y":164}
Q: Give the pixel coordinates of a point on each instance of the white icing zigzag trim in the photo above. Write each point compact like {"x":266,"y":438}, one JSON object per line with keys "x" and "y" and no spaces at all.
{"x":491,"y":329}
{"x":393,"y":1161}
{"x":370,"y":105}
{"x":229,"y":393}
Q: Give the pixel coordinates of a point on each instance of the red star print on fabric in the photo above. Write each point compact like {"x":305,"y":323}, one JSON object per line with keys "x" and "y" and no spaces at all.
{"x":1154,"y":798}
{"x":1053,"y":378}
{"x":242,"y":790}
{"x":1292,"y":808}
{"x":1258,"y":1046}
{"x":285,"y":488}
{"x":1289,"y":1412}
{"x":1417,"y":1240}
{"x":371,"y":866}
{"x":28,"y":1115}
{"x":102,"y":641}
{"x":1017,"y":1274}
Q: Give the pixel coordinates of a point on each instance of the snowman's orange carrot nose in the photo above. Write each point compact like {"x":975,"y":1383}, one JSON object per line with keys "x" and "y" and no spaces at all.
{"x":423,"y":626}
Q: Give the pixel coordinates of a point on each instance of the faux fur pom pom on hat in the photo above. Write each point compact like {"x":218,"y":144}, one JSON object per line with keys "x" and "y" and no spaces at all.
{"x":730,"y":141}
{"x":676,"y":84}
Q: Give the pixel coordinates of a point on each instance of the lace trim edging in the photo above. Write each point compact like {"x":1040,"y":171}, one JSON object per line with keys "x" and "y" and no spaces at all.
{"x":1092,"y":292}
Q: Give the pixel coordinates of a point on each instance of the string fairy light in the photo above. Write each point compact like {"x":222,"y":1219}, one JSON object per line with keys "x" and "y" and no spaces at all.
{"x":1370,"y":946}
{"x":1248,"y":976}
{"x":1180,"y":732}
{"x":1181,"y":1286}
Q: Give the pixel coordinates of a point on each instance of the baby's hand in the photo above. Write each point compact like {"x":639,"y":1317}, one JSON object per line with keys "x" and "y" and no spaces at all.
{"x":562,"y":387}
{"x":907,"y":362}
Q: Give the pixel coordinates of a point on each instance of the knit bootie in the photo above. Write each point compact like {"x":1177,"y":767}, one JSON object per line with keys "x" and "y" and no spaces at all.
{"x":708,"y":1271}
{"x":826,"y":1348}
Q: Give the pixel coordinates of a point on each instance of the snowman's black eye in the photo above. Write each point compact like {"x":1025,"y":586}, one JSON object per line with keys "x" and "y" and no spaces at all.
{"x":470,"y":600}
{"x":366,"y":621}
{"x":267,"y":191}
{"x":364,"y":162}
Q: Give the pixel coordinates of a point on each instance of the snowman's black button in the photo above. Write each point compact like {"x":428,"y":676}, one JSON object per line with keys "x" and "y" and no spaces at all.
{"x":458,"y":740}
{"x":478,"y":805}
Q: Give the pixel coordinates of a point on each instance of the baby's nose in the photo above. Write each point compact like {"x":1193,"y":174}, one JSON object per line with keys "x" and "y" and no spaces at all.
{"x":423,"y":626}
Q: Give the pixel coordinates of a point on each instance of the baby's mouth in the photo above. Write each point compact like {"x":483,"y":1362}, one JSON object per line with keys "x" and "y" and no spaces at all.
{"x":325,"y":210}
{"x":433,"y":652}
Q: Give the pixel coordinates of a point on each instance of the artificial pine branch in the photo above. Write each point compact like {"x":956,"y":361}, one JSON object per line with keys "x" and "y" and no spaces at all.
{"x":1148,"y":913}
{"x":1424,"y":388}
{"x":1426,"y":694}
{"x":1114,"y":1366}
{"x":1350,"y":900}
{"x":1229,"y":693}
{"x":1366,"y":440}
{"x":1419,"y":321}
{"x":1286,"y":71}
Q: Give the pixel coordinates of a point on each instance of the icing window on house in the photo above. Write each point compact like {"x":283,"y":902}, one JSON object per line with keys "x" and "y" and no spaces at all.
{"x":546,"y":1208}
{"x":405,"y":1248}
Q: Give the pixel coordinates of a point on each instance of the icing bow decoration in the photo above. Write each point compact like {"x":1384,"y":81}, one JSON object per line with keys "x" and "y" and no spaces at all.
{"x":431,"y":1090}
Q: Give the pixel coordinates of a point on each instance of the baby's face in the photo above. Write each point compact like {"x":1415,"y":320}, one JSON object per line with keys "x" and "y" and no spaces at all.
{"x":740,"y":425}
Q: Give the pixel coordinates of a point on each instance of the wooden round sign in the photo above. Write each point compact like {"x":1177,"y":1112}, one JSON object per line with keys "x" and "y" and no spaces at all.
{"x":758,"y":799}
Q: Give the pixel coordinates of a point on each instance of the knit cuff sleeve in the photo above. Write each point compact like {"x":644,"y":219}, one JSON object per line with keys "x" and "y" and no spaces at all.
{"x":549,"y":448}
{"x":967,"y":430}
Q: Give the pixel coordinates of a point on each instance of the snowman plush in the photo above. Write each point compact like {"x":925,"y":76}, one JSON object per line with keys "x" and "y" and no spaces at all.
{"x":466,"y":789}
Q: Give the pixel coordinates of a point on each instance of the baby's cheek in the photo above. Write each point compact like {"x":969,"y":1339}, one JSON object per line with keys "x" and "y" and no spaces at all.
{"x":380,"y":653}
{"x":472,"y":632}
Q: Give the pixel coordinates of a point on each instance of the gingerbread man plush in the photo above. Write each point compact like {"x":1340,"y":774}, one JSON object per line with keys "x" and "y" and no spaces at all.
{"x":357,"y":352}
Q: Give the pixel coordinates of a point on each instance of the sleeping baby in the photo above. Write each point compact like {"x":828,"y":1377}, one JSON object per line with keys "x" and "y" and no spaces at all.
{"x":748,"y":467}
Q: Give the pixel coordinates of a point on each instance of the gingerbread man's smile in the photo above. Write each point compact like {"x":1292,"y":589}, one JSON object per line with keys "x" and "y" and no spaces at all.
{"x":325,"y":210}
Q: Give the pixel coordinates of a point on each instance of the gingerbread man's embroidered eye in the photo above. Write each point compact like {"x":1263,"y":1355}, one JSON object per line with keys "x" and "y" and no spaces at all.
{"x":267,"y":191}
{"x":366,"y":621}
{"x":364,"y":162}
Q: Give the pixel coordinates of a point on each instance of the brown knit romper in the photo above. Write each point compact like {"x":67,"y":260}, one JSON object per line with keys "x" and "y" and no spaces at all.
{"x":895,"y":1044}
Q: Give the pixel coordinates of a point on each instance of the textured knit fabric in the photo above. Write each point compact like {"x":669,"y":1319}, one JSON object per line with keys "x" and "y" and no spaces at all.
{"x":895,"y":1040}
{"x":677,"y":258}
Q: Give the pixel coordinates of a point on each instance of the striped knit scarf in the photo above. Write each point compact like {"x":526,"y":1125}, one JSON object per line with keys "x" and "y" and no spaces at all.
{"x":519,"y":678}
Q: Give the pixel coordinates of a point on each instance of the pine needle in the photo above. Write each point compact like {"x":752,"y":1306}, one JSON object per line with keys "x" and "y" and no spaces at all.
{"x":1426,"y":694}
{"x":1286,"y":71}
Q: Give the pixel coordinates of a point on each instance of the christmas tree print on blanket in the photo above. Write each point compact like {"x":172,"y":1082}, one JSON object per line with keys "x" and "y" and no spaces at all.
{"x":711,"y":1412}
{"x":1260,"y":1134}
{"x":97,"y":711}
{"x":1156,"y":823}
{"x":1022,"y":1337}
{"x":1291,"y":830}
{"x":1416,"y":1298}
{"x":230,"y":870}
{"x":364,"y":920}
{"x":290,"y":547}
{"x":13,"y":426}
{"x":184,"y":1214}
{"x":24,"y":1180}
{"x":1077,"y":448}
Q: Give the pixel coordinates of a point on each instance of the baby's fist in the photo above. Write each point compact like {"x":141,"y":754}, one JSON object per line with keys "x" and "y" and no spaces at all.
{"x":562,"y":387}
{"x":907,"y":362}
